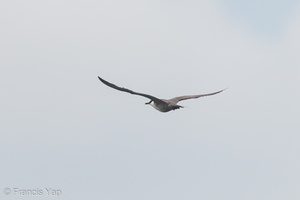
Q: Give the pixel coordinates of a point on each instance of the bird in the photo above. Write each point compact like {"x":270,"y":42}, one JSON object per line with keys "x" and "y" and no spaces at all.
{"x":162,"y":105}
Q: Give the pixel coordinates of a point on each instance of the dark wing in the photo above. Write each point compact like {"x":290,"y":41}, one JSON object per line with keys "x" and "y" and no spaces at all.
{"x":129,"y":91}
{"x":177,"y":99}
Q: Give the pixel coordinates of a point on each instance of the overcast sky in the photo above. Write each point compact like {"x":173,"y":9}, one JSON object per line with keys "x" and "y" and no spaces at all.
{"x":61,"y":128}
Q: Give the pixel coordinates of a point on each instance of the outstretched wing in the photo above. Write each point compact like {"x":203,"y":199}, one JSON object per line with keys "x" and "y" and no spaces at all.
{"x":177,"y":99}
{"x":129,"y":91}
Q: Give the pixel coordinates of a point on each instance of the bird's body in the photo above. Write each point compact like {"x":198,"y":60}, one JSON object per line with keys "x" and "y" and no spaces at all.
{"x":162,"y":105}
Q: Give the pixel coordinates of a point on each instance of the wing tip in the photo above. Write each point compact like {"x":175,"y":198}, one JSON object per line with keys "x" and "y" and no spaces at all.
{"x":224,"y":89}
{"x":102,"y":80}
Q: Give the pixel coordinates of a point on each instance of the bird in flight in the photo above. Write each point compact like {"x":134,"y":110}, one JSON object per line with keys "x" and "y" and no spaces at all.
{"x":162,"y":105}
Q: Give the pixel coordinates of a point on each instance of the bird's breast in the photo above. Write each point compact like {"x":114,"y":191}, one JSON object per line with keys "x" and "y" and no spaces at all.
{"x":160,"y":107}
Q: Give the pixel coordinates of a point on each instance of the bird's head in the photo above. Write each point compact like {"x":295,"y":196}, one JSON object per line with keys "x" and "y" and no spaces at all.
{"x":148,"y":102}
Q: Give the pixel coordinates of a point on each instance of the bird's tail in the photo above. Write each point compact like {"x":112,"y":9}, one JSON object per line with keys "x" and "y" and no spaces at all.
{"x":177,"y":107}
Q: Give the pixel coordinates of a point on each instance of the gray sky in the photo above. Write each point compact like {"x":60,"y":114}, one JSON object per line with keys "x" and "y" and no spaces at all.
{"x":63,"y":129}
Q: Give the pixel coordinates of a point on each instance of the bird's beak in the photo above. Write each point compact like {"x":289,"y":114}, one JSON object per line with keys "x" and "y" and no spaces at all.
{"x":148,"y":102}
